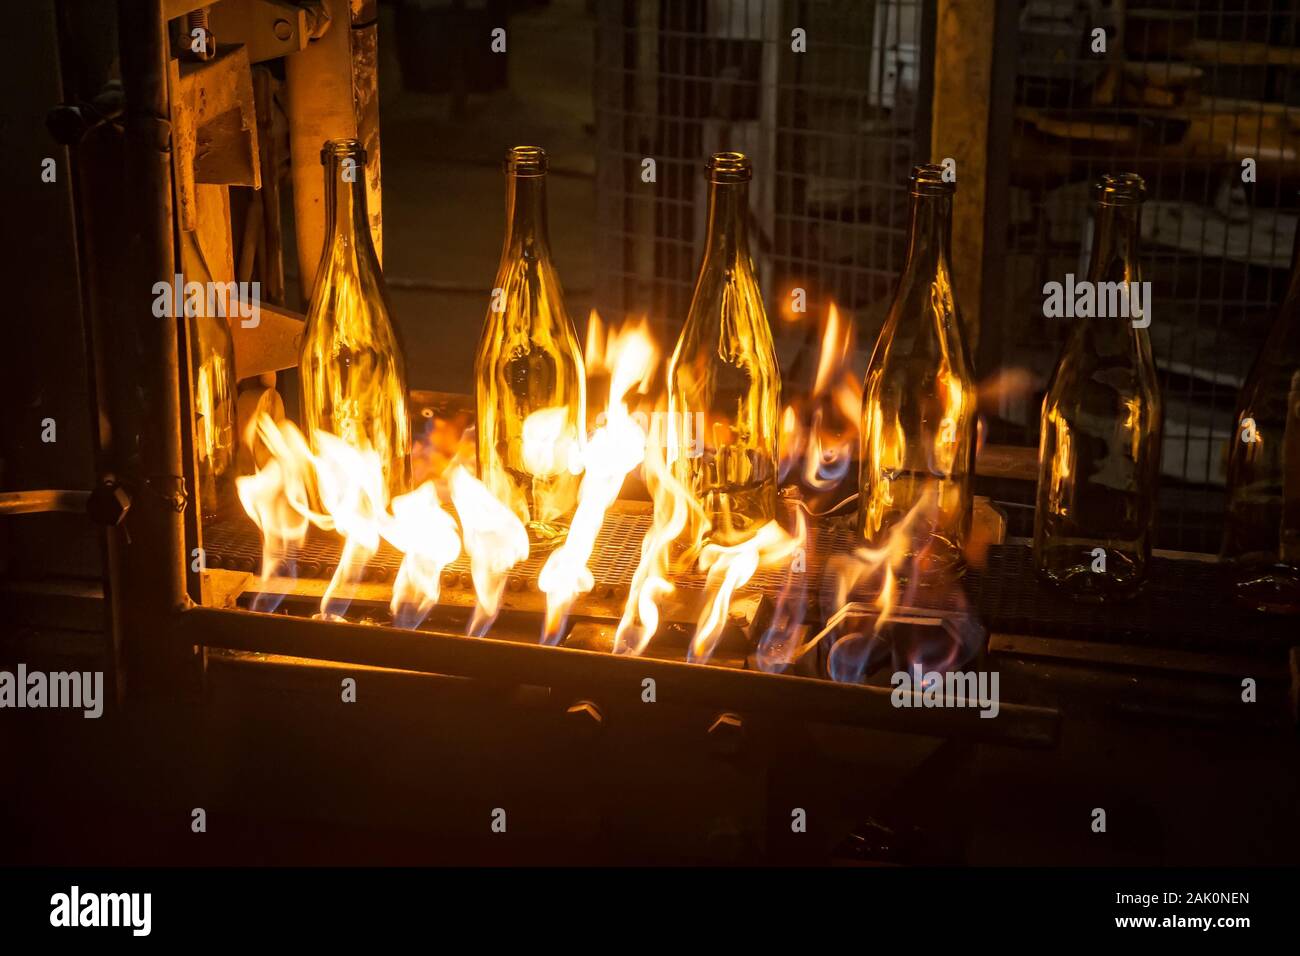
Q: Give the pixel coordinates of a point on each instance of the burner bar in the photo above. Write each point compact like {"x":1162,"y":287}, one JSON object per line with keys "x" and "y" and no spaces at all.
{"x":595,"y":675}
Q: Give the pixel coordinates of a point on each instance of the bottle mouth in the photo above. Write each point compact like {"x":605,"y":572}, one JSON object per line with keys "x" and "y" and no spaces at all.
{"x":526,"y":161}
{"x":343,"y":149}
{"x":927,"y":180}
{"x":730,"y":168}
{"x":1120,"y":189}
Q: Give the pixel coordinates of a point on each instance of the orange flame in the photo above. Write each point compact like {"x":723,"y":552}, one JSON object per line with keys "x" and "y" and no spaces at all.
{"x":349,"y":482}
{"x":730,"y":567}
{"x":821,"y":430}
{"x":428,"y":536}
{"x":674,"y":508}
{"x":353,"y":492}
{"x":616,"y":448}
{"x":495,"y":540}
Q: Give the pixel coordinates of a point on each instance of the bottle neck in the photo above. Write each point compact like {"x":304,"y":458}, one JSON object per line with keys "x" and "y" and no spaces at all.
{"x":1115,"y":242}
{"x":347,"y":220}
{"x":929,"y":235}
{"x":728,"y":227}
{"x":526,"y":231}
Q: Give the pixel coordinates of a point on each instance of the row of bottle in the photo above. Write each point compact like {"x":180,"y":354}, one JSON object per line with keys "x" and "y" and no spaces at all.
{"x":723,"y":378}
{"x":1101,"y":417}
{"x":1100,"y":426}
{"x":529,"y":368}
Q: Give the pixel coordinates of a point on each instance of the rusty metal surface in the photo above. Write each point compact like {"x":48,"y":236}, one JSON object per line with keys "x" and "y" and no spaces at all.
{"x":214,"y":126}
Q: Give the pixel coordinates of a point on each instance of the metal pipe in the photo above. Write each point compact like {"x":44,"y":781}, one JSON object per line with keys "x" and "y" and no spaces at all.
{"x":35,"y":502}
{"x":601,"y":676}
{"x":146,"y":417}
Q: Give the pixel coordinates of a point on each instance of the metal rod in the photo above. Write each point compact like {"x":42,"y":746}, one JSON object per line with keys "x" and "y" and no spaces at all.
{"x":593,"y":675}
{"x":146,"y":417}
{"x":34,"y":502}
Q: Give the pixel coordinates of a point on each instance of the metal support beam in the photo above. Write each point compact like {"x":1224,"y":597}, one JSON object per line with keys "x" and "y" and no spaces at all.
{"x":332,"y":92}
{"x":595,"y":675}
{"x":146,"y":417}
{"x":963,"y":80}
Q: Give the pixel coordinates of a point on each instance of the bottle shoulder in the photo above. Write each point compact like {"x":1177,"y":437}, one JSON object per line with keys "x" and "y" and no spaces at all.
{"x":919,"y":337}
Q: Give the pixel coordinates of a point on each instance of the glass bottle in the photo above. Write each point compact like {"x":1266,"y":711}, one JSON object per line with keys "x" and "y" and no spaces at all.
{"x":1099,"y":439}
{"x":918,"y":404}
{"x":1262,"y":534}
{"x":353,"y":369}
{"x":214,"y":410}
{"x":212,"y":354}
{"x":724,"y":383}
{"x":530,"y":387}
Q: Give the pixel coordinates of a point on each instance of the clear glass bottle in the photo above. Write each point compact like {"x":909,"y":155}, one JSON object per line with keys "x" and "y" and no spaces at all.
{"x":530,"y":387}
{"x":1099,"y":441}
{"x":724,"y":383}
{"x":1262,"y":533}
{"x":918,"y":402}
{"x":212,"y":357}
{"x":353,"y":369}
{"x":213,"y":354}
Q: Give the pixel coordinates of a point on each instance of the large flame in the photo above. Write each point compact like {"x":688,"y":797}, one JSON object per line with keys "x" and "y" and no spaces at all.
{"x":338,"y":484}
{"x":495,"y":540}
{"x":616,"y":448}
{"x":420,"y":527}
{"x":730,"y":567}
{"x":342,"y":488}
{"x":819,"y":432}
{"x":353,"y":493}
{"x":347,"y":482}
{"x":674,"y":509}
{"x":276,"y":499}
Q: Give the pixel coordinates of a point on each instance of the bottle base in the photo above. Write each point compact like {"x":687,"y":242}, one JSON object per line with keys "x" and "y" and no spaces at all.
{"x":936,"y":565}
{"x":1271,"y":589}
{"x":1080,"y":583}
{"x":545,"y":536}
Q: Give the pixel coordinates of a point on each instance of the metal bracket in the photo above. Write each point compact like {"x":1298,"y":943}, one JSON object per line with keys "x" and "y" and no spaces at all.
{"x":267,"y":28}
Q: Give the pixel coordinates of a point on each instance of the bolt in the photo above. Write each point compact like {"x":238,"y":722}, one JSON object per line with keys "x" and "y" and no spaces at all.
{"x":283,"y":29}
{"x":585,"y":718}
{"x":198,"y":20}
{"x":726,"y":735}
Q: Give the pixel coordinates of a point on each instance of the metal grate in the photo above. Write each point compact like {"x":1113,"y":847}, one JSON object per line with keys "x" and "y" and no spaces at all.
{"x":1184,"y":605}
{"x":1182,"y":95}
{"x":235,"y":544}
{"x":831,"y":133}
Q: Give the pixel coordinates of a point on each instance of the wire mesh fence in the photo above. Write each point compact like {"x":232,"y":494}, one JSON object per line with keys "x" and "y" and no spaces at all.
{"x":1183,"y":93}
{"x":827,"y":98}
{"x":1201,"y":100}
